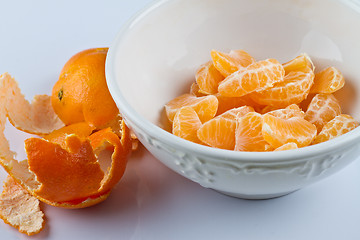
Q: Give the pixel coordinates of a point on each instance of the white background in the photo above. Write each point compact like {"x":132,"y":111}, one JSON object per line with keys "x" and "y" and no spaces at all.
{"x":152,"y":202}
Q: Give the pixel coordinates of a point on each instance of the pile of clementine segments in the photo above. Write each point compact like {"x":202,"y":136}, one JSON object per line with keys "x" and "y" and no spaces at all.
{"x":238,"y":103}
{"x":80,"y":149}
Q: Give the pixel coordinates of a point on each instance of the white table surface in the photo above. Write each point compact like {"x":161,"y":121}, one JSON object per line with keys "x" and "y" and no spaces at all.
{"x":152,"y":202}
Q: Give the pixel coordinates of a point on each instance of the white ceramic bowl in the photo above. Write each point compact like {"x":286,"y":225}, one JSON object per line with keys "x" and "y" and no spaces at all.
{"x":154,"y":57}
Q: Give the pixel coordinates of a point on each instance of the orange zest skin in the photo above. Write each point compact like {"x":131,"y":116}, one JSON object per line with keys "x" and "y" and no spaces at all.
{"x":83,"y":202}
{"x":100,"y":141}
{"x":52,"y":163}
{"x":256,"y":77}
{"x":81,"y":129}
{"x":74,"y":174}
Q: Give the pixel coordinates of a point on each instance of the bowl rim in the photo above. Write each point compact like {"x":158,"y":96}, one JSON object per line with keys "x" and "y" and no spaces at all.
{"x":347,"y":140}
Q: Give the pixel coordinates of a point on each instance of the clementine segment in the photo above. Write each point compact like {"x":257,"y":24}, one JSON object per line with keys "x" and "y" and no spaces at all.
{"x":328,"y":81}
{"x":225,"y":103}
{"x":219,"y":132}
{"x":299,"y":64}
{"x":248,"y":135}
{"x":290,"y":111}
{"x":228,"y":103}
{"x":195,"y":90}
{"x":205,"y":107}
{"x":186,"y":124}
{"x":81,"y":93}
{"x":322,"y":108}
{"x":256,"y":77}
{"x":267,"y":109}
{"x":293,"y":90}
{"x":340,"y":125}
{"x":208,"y":78}
{"x":235,"y":113}
{"x":287,"y":146}
{"x":228,"y":63}
{"x":278,"y":131}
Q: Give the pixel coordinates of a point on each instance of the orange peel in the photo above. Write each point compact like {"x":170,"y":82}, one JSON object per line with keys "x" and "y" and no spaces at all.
{"x":20,"y":209}
{"x":70,"y":167}
{"x":78,"y":173}
{"x":81,"y":129}
{"x":63,"y":174}
{"x":37,"y":117}
{"x":115,"y":126}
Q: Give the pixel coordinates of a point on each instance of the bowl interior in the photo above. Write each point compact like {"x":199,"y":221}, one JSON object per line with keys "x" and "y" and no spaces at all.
{"x":155,"y":57}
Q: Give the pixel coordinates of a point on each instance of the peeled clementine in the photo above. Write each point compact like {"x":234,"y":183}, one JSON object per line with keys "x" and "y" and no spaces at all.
{"x":81,"y":93}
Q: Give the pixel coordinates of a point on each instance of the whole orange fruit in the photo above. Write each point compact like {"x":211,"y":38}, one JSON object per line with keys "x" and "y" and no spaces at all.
{"x":81,"y":93}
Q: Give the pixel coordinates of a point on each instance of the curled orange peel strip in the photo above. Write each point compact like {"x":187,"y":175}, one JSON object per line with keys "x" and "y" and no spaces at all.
{"x":104,"y":139}
{"x":83,"y":170}
{"x":66,"y":170}
{"x":63,"y":174}
{"x":20,"y":209}
{"x":37,"y":117}
{"x":81,"y":129}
